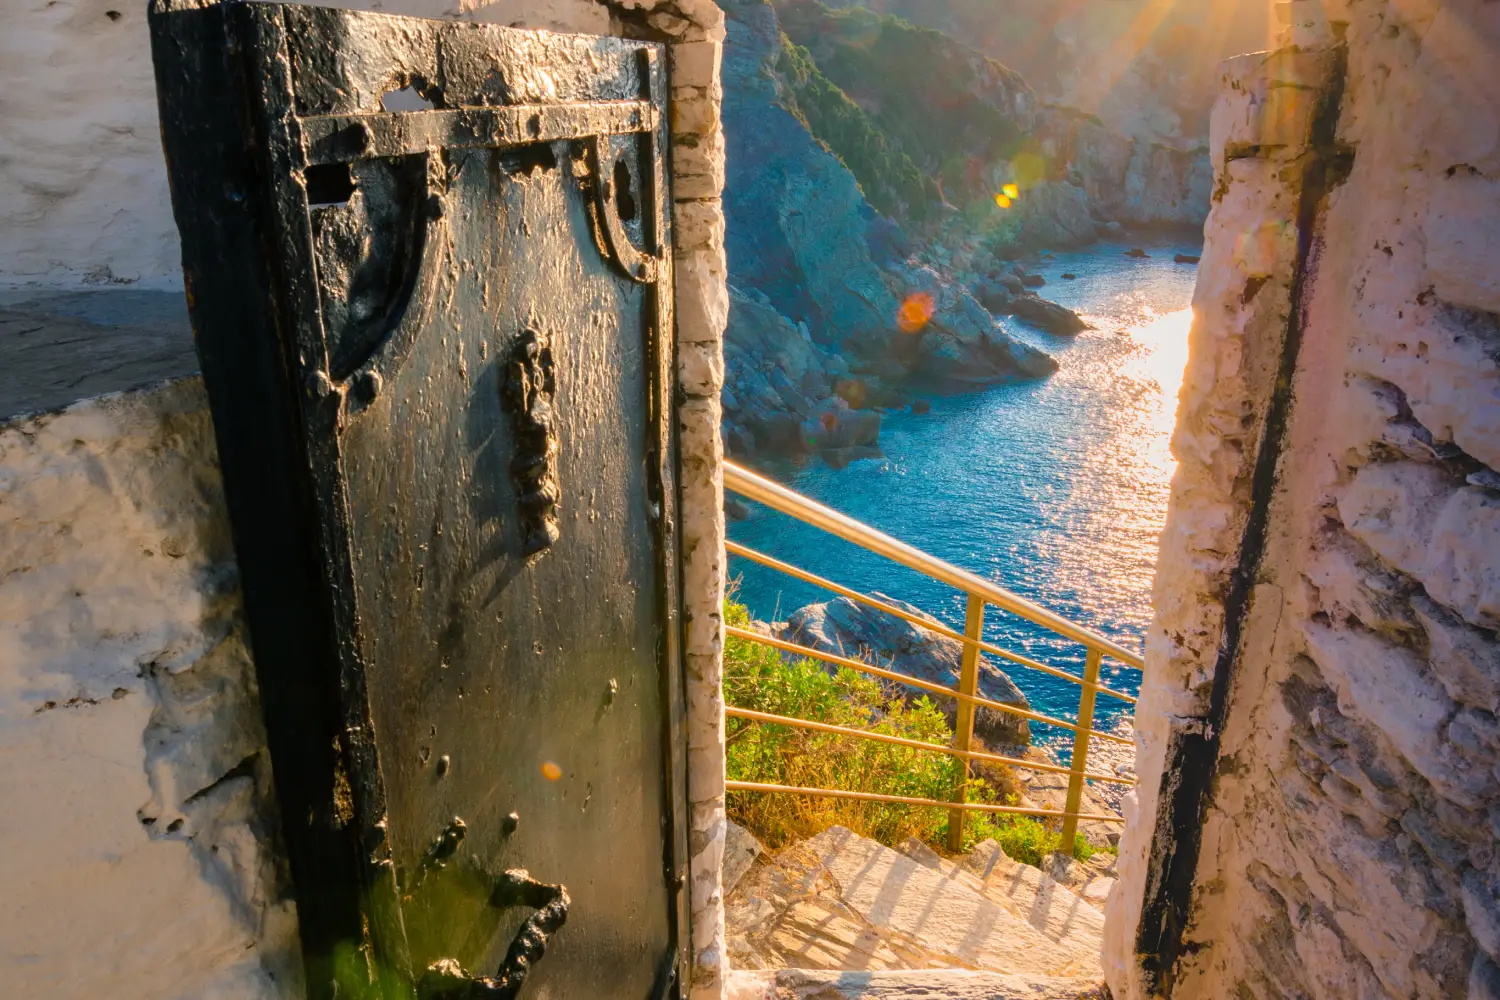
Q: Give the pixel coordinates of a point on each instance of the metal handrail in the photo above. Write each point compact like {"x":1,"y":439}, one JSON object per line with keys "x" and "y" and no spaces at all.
{"x":839,"y":793}
{"x":910,"y":681}
{"x":980,"y":592}
{"x":901,"y":741}
{"x":735,"y":548}
{"x":774,"y":495}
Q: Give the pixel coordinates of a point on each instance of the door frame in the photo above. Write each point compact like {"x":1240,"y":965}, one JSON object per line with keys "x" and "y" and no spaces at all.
{"x":312,"y":699}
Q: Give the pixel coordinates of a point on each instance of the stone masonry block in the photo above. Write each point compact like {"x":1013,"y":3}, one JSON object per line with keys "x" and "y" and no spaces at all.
{"x":1465,"y":660}
{"x":696,"y":64}
{"x":1455,"y":110}
{"x":1390,"y":507}
{"x":695,"y":111}
{"x":1266,"y":102}
{"x":1481,"y":896}
{"x":702,"y":296}
{"x":1388,"y":687}
{"x":706,"y":772}
{"x":698,"y":166}
{"x":700,"y":368}
{"x":1462,"y":570}
{"x":698,"y":225}
{"x":1463,"y":239}
{"x":1412,"y":517}
{"x":1447,"y":364}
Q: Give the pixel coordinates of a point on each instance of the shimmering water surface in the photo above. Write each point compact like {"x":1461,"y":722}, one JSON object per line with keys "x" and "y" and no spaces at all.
{"x":1056,"y":490}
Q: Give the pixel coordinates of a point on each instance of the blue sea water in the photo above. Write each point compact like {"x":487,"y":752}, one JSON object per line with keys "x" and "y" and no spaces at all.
{"x":1056,"y":489}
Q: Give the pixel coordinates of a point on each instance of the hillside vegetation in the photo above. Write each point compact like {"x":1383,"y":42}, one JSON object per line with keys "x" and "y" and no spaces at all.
{"x":886,"y":174}
{"x":957,"y":115}
{"x":758,"y":677}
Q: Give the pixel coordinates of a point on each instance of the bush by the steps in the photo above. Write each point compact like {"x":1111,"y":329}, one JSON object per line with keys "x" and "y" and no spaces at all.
{"x":758,"y":677}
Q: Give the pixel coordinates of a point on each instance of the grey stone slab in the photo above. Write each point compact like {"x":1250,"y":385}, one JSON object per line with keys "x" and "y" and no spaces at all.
{"x":60,"y":347}
{"x":925,"y":984}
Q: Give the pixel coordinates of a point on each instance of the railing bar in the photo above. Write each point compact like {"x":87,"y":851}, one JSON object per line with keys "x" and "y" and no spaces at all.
{"x":778,"y":497}
{"x":916,"y":682}
{"x":828,"y":727}
{"x":1080,"y":753}
{"x":963,"y":719}
{"x":772,"y":562}
{"x":834,"y":793}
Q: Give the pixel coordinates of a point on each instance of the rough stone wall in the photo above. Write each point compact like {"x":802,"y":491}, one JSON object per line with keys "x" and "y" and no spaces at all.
{"x":139,"y":834}
{"x":1324,"y":653}
{"x":83,"y":194}
{"x":123,"y":673}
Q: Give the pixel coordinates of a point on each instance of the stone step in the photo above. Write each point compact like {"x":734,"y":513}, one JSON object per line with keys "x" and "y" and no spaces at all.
{"x":1025,"y":892}
{"x":1089,"y":880}
{"x":927,"y":984}
{"x":909,"y":903}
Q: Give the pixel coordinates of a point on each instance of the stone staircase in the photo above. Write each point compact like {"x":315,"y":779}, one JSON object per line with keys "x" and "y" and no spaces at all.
{"x":840,"y":917}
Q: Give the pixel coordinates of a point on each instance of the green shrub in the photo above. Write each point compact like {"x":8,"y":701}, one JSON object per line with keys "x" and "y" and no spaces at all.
{"x":886,"y":175}
{"x":925,"y":93}
{"x":758,"y":677}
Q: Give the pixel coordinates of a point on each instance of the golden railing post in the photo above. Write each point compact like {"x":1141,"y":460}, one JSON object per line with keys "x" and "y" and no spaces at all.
{"x":963,"y":730}
{"x":1080,"y":749}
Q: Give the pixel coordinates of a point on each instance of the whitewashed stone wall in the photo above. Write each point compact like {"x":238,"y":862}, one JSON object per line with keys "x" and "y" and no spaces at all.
{"x":1349,"y":835}
{"x":138,"y":843}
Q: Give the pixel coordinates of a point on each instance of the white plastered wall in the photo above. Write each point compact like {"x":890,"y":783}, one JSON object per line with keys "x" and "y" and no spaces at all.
{"x":138,"y":845}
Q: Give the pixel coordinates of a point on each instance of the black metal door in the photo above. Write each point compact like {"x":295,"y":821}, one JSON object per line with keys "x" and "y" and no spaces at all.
{"x":437,"y":343}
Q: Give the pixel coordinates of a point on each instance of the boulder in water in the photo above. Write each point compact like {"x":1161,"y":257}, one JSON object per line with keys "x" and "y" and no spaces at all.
{"x":1033,"y":281}
{"x":994,"y":296}
{"x":1069,"y":276}
{"x":1136,"y":252}
{"x":847,"y":628}
{"x":1048,"y":315}
{"x":1185,"y":258}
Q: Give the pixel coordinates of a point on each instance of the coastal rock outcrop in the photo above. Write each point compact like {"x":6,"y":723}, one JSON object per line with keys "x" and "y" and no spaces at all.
{"x":1048,"y":315}
{"x":1133,"y":181}
{"x":856,"y":630}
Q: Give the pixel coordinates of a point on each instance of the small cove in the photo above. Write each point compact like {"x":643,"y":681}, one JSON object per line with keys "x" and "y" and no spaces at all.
{"x":1056,"y":490}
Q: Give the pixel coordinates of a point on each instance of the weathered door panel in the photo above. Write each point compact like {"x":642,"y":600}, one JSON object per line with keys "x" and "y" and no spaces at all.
{"x":457,"y":322}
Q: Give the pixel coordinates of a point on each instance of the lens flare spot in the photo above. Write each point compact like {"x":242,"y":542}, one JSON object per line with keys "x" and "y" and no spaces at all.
{"x":551,"y":771}
{"x":1028,"y":168}
{"x":1003,"y":200}
{"x":914,"y":313}
{"x":1011,"y":191}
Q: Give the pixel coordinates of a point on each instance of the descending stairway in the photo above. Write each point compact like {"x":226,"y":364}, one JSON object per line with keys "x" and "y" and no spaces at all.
{"x":840,"y":917}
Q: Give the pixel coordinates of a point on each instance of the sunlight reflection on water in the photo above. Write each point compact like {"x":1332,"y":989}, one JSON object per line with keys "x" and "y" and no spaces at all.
{"x":1055,"y":489}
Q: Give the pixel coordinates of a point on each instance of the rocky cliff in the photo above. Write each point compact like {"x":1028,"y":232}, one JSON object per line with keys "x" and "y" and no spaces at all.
{"x":1147,"y":70}
{"x":881,"y":179}
{"x":975,"y":125}
{"x":829,"y":319}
